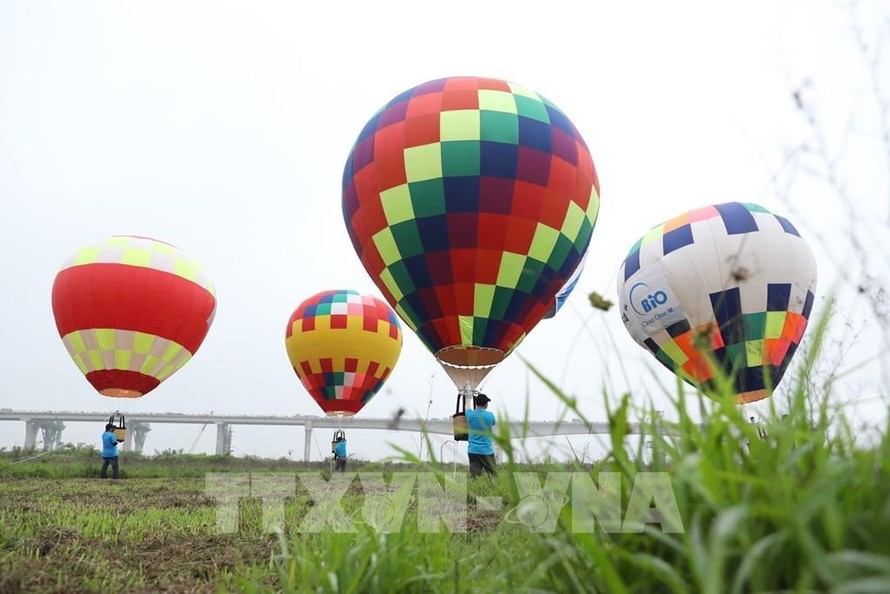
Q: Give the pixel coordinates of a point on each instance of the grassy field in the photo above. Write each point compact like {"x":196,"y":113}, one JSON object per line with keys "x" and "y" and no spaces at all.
{"x":799,"y":504}
{"x":61,"y":532}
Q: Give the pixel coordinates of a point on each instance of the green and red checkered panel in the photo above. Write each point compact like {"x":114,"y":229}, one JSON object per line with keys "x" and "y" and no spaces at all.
{"x":470,"y":202}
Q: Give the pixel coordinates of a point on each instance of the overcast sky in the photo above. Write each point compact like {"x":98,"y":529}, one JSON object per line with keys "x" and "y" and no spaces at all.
{"x":223,"y":128}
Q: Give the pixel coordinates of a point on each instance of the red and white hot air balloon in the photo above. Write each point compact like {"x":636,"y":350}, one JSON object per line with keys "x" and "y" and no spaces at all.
{"x":131,"y":312}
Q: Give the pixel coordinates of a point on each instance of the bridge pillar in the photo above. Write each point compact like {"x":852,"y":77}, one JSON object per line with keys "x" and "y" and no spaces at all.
{"x":223,"y":439}
{"x":307,"y":440}
{"x":655,"y":425}
{"x":52,"y":433}
{"x":31,"y":428}
{"x":140,"y":431}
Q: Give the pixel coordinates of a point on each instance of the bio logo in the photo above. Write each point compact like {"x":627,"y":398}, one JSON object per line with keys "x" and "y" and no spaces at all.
{"x":641,"y":297}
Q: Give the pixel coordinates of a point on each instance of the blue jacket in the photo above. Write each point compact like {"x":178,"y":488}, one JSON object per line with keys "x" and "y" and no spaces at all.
{"x":480,"y":423}
{"x":340,"y":449}
{"x":109,"y":444}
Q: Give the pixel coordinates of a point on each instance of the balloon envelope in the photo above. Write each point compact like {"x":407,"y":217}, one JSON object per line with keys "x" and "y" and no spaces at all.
{"x":343,"y":345}
{"x":724,"y":288}
{"x":131,"y":311}
{"x":470,"y":202}
{"x":563,"y":294}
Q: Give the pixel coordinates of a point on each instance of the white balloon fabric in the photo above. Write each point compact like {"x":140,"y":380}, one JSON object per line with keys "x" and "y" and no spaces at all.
{"x":724,"y":289}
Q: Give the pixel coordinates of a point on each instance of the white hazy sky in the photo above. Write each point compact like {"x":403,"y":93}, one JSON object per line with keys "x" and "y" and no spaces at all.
{"x":223,"y":128}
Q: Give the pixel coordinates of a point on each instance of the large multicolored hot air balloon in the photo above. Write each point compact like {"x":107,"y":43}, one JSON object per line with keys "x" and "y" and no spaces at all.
{"x":728,"y":289}
{"x":470,"y":202}
{"x":343,"y":345}
{"x":131,"y":312}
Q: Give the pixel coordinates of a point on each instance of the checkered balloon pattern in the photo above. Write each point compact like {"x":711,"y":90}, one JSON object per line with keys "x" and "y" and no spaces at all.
{"x":470,"y":202}
{"x":720,"y":292}
{"x":343,"y":345}
{"x":131,"y":311}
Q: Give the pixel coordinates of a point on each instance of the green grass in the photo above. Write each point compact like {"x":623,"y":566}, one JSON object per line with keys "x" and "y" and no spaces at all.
{"x":804,"y":508}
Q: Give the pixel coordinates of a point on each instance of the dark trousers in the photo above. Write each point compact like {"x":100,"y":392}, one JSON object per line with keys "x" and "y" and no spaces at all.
{"x":114,"y":468}
{"x":340,"y":464}
{"x":480,"y":462}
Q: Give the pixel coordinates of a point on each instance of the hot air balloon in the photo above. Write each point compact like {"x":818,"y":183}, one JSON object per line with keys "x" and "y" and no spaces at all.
{"x":470,"y":202}
{"x":131,"y":311}
{"x":720,"y":292}
{"x":343,"y":345}
{"x":563,"y":294}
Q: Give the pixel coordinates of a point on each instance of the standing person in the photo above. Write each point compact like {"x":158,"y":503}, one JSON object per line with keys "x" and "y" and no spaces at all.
{"x":109,"y":452}
{"x":479,"y":448}
{"x":340,"y":455}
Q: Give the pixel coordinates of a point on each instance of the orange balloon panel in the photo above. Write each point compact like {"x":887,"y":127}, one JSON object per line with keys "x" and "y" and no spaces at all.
{"x":343,"y":345}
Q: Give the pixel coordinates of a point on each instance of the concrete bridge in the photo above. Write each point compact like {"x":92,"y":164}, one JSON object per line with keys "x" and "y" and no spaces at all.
{"x":51,"y":424}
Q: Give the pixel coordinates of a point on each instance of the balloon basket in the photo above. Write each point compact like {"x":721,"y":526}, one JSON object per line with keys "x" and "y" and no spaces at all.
{"x":120,"y":426}
{"x":459,"y":419}
{"x":338,"y":435}
{"x":461,"y":429}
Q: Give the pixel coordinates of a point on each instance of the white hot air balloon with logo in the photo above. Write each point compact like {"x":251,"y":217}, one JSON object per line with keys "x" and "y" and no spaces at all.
{"x":722,"y":291}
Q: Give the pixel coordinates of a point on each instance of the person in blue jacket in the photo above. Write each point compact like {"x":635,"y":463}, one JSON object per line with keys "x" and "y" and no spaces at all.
{"x":479,"y":447}
{"x":109,"y":452}
{"x":340,"y":454}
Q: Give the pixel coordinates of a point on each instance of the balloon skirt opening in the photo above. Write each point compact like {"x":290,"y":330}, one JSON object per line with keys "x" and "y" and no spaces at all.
{"x":753,"y":396}
{"x":119,"y":383}
{"x":339,"y":408}
{"x":467,"y":366}
{"x":120,"y":393}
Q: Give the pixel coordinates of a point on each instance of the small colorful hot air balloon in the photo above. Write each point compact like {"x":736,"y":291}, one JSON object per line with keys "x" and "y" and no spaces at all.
{"x":131,"y":311}
{"x":725,"y":289}
{"x":343,"y":345}
{"x":470,"y":202}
